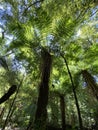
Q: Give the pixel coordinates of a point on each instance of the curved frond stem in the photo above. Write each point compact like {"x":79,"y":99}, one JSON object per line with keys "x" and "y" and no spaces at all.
{"x":74,"y":92}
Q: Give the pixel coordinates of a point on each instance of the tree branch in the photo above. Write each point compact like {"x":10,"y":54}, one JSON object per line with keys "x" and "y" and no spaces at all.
{"x":34,"y":3}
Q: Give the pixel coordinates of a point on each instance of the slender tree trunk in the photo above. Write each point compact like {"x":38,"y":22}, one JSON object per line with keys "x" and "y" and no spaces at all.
{"x":54,"y":110}
{"x":2,"y":114}
{"x":78,"y":110}
{"x":7,"y":95}
{"x":62,"y":107}
{"x":41,"y":112}
{"x":96,"y":120}
{"x":75,"y":96}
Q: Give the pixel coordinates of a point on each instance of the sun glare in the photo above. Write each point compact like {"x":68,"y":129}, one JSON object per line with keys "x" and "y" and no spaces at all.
{"x":78,"y":33}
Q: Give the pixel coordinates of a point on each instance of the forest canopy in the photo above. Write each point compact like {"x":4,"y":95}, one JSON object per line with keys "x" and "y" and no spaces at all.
{"x":49,"y":64}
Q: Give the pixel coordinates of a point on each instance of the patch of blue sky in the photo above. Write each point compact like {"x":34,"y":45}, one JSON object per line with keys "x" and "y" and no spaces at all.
{"x":5,"y":12}
{"x":2,"y":12}
{"x":96,"y":78}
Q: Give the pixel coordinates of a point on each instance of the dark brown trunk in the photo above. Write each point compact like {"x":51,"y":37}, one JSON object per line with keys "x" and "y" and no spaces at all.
{"x":91,"y":84}
{"x":41,"y":112}
{"x":62,"y":107}
{"x":7,"y":95}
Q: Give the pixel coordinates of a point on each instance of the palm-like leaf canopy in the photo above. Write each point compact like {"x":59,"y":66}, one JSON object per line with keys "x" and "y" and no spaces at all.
{"x":52,"y":24}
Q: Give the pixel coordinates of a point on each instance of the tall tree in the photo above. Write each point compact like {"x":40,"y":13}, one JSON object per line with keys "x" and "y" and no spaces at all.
{"x":41,"y":112}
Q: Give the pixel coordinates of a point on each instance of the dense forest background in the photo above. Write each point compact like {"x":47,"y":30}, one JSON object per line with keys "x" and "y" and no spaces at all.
{"x":48,"y":64}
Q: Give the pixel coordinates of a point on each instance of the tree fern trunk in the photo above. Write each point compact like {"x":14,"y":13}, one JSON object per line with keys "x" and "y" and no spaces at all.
{"x":91,"y":84}
{"x":62,"y":107}
{"x":41,"y":112}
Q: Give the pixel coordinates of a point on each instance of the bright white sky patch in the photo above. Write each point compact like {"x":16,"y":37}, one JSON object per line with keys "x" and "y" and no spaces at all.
{"x":1,"y":7}
{"x":78,"y":33}
{"x":0,"y":30}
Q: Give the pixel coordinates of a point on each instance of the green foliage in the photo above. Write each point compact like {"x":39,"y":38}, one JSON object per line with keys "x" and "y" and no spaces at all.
{"x":58,"y":26}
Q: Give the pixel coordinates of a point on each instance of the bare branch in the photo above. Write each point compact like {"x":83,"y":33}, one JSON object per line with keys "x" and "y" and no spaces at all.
{"x":34,"y":3}
{"x":94,"y":13}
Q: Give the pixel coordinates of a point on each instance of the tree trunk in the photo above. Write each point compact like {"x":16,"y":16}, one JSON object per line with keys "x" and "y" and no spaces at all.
{"x":54,"y":110}
{"x":75,"y":95}
{"x":62,"y":107}
{"x":91,"y":83}
{"x":41,"y":112}
{"x":78,"y":110}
